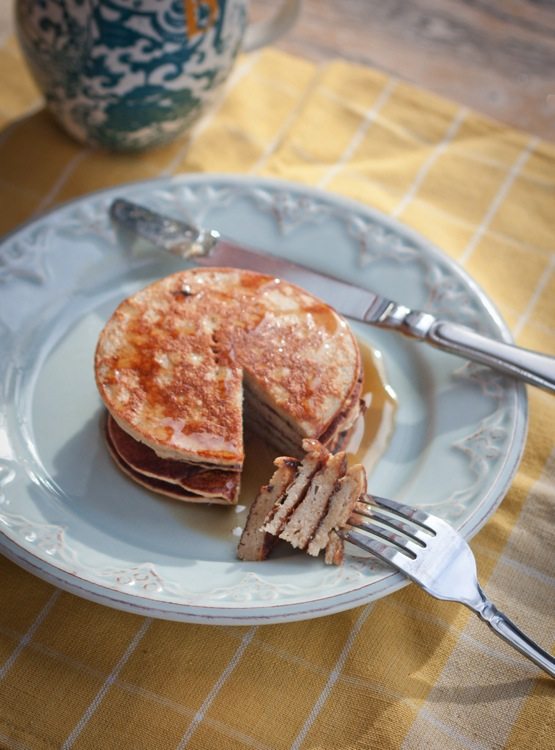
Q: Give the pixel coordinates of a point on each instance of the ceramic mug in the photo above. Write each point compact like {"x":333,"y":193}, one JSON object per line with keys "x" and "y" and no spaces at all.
{"x":128,"y":74}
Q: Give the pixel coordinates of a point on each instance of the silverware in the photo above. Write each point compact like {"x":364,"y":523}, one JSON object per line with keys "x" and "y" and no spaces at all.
{"x":206,"y":247}
{"x":431,"y":553}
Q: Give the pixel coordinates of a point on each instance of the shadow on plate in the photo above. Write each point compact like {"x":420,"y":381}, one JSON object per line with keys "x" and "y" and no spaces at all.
{"x":119,"y":511}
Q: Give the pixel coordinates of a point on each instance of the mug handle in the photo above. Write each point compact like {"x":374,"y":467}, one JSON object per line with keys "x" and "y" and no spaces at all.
{"x":262,"y":33}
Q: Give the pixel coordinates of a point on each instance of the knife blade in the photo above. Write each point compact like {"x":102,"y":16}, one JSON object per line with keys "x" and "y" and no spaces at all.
{"x":208,"y":248}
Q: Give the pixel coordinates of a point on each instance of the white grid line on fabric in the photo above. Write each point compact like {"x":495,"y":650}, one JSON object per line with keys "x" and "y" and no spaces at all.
{"x":220,"y":682}
{"x":242,"y":135}
{"x":28,"y":635}
{"x":495,"y":234}
{"x":500,"y":654}
{"x":501,"y":166}
{"x":300,"y":153}
{"x":65,"y":174}
{"x":237,"y":75}
{"x":537,"y":324}
{"x":359,"y":109}
{"x":485,"y":161}
{"x":325,"y":91}
{"x":59,"y":656}
{"x":289,"y":120}
{"x":498,"y":198}
{"x":488,"y":161}
{"x":99,"y":697}
{"x":434,"y":155}
{"x":534,"y":179}
{"x":542,"y":326}
{"x":361,"y":131}
{"x":450,"y":732}
{"x":536,"y":294}
{"x":525,"y":569}
{"x":288,"y":657}
{"x":379,"y":688}
{"x":332,"y":678}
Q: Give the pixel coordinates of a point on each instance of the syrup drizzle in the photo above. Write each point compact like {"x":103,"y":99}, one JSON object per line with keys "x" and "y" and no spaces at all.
{"x":374,"y":429}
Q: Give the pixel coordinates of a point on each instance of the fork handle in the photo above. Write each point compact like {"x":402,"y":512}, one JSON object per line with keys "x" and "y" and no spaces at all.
{"x":506,"y":629}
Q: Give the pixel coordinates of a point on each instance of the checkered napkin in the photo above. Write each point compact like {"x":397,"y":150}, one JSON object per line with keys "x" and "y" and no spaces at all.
{"x":406,"y":671}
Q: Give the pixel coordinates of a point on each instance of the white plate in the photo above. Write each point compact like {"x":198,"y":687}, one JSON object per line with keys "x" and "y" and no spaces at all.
{"x":68,"y":515}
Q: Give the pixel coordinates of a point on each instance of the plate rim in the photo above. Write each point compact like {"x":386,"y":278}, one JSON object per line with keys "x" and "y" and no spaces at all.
{"x":285,"y":612}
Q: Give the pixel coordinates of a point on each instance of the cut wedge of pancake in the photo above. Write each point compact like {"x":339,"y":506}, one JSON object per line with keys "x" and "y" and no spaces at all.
{"x":177,"y":360}
{"x":305,"y":504}
{"x":255,"y":543}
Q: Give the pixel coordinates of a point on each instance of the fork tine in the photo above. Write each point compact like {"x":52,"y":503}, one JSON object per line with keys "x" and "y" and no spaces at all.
{"x":405,"y":511}
{"x":382,"y":551}
{"x":420,"y":537}
{"x":401,"y":543}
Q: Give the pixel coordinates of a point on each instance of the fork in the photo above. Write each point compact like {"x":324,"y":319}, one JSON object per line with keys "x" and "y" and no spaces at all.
{"x":431,"y":553}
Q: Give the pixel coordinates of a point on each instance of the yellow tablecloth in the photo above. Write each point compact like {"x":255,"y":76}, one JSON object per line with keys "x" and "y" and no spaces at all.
{"x":406,"y":671}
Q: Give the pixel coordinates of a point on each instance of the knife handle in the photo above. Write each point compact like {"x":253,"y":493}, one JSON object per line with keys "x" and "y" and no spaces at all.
{"x":532,"y":367}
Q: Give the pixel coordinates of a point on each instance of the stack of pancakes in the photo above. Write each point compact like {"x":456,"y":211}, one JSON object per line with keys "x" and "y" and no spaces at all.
{"x":182,"y":364}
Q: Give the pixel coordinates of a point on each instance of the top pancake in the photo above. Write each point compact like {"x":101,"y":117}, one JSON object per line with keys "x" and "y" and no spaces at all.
{"x":170,"y":362}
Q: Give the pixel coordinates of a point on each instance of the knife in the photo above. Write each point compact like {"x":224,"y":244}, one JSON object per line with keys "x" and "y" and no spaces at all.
{"x":207,"y":247}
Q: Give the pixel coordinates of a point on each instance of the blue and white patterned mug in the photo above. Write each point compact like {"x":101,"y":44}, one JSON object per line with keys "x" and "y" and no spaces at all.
{"x":128,"y":74}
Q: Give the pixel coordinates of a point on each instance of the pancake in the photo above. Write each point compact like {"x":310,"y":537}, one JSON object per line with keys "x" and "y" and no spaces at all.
{"x":305,"y":504}
{"x":182,"y":479}
{"x":306,"y":517}
{"x":255,"y":543}
{"x":294,"y":493}
{"x":179,"y":361}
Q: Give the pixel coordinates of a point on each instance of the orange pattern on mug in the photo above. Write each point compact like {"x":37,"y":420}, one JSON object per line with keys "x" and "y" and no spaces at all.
{"x":193,"y":10}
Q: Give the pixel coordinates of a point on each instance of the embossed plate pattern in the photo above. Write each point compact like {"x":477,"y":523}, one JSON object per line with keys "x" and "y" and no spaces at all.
{"x":69,"y":516}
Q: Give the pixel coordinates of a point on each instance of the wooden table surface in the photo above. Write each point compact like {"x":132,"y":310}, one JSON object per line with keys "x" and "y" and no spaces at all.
{"x":496,"y":56}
